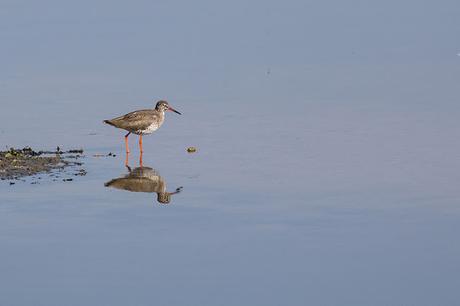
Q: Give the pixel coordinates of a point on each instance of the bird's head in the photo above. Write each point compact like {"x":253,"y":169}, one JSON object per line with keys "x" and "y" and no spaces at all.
{"x":163,"y":106}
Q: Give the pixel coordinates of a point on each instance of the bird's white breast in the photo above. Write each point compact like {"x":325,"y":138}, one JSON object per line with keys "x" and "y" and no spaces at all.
{"x":150,"y":129}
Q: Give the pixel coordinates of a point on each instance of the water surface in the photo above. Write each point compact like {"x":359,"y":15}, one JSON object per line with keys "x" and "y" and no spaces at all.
{"x":327,"y":167}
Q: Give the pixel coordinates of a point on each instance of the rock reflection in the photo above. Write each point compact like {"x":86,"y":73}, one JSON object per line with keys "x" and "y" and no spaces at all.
{"x":144,"y":179}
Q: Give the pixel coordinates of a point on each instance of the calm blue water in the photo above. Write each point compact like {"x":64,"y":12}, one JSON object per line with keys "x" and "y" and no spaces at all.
{"x":327,"y":167}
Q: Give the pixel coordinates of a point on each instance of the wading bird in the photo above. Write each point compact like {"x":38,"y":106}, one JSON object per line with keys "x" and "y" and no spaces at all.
{"x":142,"y":122}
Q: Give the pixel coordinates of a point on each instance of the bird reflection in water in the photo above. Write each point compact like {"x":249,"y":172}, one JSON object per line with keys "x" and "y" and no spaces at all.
{"x":143,"y":179}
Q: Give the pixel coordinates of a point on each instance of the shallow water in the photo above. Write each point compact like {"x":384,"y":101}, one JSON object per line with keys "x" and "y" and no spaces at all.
{"x":332,"y":199}
{"x":324,"y":178}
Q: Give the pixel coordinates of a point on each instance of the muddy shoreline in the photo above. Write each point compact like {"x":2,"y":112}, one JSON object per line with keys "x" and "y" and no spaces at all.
{"x":16,"y":164}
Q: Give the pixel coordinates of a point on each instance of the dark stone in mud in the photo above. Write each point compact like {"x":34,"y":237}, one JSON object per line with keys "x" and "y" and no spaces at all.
{"x":18,"y":163}
{"x":81,"y":172}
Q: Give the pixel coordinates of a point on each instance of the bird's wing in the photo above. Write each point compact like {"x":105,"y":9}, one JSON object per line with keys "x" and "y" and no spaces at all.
{"x":137,"y":120}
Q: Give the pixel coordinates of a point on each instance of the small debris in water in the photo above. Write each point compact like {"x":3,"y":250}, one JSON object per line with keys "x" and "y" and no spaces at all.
{"x":80,"y":151}
{"x":105,"y":155}
{"x":191,"y":149}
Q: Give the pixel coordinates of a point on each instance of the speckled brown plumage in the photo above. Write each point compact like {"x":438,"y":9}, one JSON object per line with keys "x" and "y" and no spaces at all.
{"x":138,"y":122}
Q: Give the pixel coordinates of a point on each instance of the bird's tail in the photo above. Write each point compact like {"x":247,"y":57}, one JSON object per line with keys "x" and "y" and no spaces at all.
{"x":109,"y":122}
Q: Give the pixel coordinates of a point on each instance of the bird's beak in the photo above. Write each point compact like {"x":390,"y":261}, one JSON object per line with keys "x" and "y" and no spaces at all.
{"x":173,"y":110}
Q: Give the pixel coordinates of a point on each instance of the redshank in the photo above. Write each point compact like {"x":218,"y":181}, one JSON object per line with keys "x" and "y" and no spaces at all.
{"x":142,"y":122}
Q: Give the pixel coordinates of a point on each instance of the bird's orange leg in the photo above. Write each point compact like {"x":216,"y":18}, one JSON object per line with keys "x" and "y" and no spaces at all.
{"x":127,"y":160}
{"x":126,"y":143}
{"x":140,"y":160}
{"x":140,"y":144}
